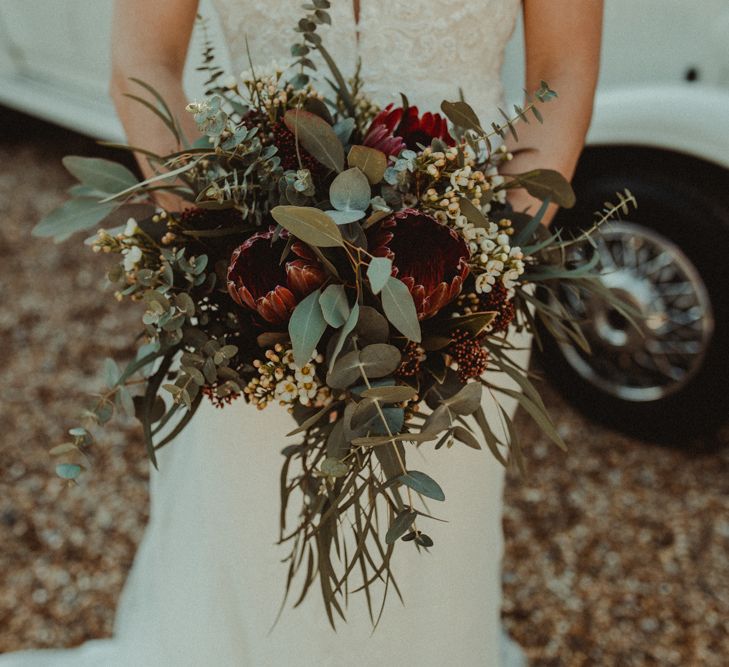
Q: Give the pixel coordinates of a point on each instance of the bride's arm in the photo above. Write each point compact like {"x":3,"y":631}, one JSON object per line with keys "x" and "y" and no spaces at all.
{"x":149,"y":42}
{"x":562,"y":39}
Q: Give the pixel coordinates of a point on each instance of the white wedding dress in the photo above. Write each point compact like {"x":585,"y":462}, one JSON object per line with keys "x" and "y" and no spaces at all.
{"x":207,"y":581}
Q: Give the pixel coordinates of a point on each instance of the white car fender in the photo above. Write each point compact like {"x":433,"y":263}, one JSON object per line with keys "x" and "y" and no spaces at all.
{"x":682,"y":118}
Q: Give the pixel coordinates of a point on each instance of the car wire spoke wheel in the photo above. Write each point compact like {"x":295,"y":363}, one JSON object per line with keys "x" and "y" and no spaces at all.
{"x":658,"y":343}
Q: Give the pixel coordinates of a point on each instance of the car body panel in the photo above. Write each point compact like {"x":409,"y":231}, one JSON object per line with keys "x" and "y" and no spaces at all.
{"x":664,"y":77}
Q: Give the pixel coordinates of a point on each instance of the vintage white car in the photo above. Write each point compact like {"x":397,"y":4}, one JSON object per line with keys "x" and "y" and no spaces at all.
{"x":661,"y":128}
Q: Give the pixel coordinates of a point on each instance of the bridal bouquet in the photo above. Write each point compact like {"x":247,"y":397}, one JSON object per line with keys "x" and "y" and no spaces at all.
{"x":355,"y":265}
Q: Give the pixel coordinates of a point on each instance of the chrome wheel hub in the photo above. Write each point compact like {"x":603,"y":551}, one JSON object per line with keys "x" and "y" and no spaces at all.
{"x":662,"y":349}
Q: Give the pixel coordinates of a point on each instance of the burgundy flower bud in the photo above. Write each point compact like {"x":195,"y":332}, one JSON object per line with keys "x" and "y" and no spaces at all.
{"x":394,"y":129}
{"x":258,"y":280}
{"x":429,"y":257}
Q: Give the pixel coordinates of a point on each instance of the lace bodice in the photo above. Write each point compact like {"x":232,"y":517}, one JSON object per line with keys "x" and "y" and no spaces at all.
{"x":425,"y":48}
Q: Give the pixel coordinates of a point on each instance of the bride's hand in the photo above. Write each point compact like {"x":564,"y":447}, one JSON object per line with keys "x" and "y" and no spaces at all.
{"x":522,"y":202}
{"x":171,"y":202}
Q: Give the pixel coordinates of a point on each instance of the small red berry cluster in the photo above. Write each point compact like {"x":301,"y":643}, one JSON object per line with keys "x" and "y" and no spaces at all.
{"x":467,"y":352}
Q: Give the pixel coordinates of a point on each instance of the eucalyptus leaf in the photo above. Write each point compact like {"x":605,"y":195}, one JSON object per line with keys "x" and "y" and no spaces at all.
{"x":372,"y":326}
{"x":345,"y":217}
{"x":531,"y":228}
{"x":462,"y":434}
{"x":393,"y":394}
{"x":374,"y":361}
{"x":363,"y":413}
{"x":68,"y":470}
{"x":378,"y":273}
{"x":306,"y":327}
{"x":73,"y":216}
{"x":394,"y":421}
{"x":461,"y":115}
{"x":437,"y":421}
{"x":467,"y":400}
{"x":371,"y":161}
{"x":310,"y":421}
{"x":337,"y":445}
{"x":399,"y":308}
{"x":472,"y":213}
{"x":543,"y":183}
{"x":65,"y":448}
{"x":400,"y":525}
{"x":350,"y":191}
{"x":422,"y":484}
{"x":343,"y":128}
{"x":317,"y":137}
{"x":380,"y":440}
{"x":380,"y":359}
{"x":349,"y":325}
{"x":311,"y":225}
{"x":390,"y":459}
{"x":334,"y":305}
{"x":474,"y":324}
{"x":103,"y":175}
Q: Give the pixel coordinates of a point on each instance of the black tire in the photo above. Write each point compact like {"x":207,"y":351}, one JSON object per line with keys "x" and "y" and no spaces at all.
{"x":686,"y":201}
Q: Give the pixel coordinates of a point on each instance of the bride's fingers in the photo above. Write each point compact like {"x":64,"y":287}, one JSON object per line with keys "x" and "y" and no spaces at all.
{"x":171,"y":202}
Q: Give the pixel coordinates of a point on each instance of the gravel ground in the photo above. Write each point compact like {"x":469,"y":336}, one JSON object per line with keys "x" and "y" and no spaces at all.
{"x":616,"y":554}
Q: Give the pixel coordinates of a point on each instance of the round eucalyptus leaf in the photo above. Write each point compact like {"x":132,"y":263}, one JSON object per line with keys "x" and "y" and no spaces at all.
{"x":68,"y":470}
{"x":380,"y":359}
{"x":372,"y":326}
{"x":371,"y":161}
{"x":345,"y":372}
{"x":345,"y":217}
{"x":350,"y":191}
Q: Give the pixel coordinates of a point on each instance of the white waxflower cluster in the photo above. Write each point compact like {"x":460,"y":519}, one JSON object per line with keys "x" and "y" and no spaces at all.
{"x":492,"y":255}
{"x":268,"y":87}
{"x":280,"y":379}
{"x":492,"y":252}
{"x":123,"y":241}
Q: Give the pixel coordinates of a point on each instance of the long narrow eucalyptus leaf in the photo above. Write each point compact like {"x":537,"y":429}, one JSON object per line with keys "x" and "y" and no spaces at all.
{"x":183,"y":422}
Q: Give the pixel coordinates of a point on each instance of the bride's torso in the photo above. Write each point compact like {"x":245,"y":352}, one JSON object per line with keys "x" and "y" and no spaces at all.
{"x":424,"y":48}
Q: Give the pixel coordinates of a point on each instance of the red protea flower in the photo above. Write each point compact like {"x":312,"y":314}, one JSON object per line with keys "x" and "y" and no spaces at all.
{"x":429,"y":257}
{"x":394,"y":129}
{"x":258,"y":280}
